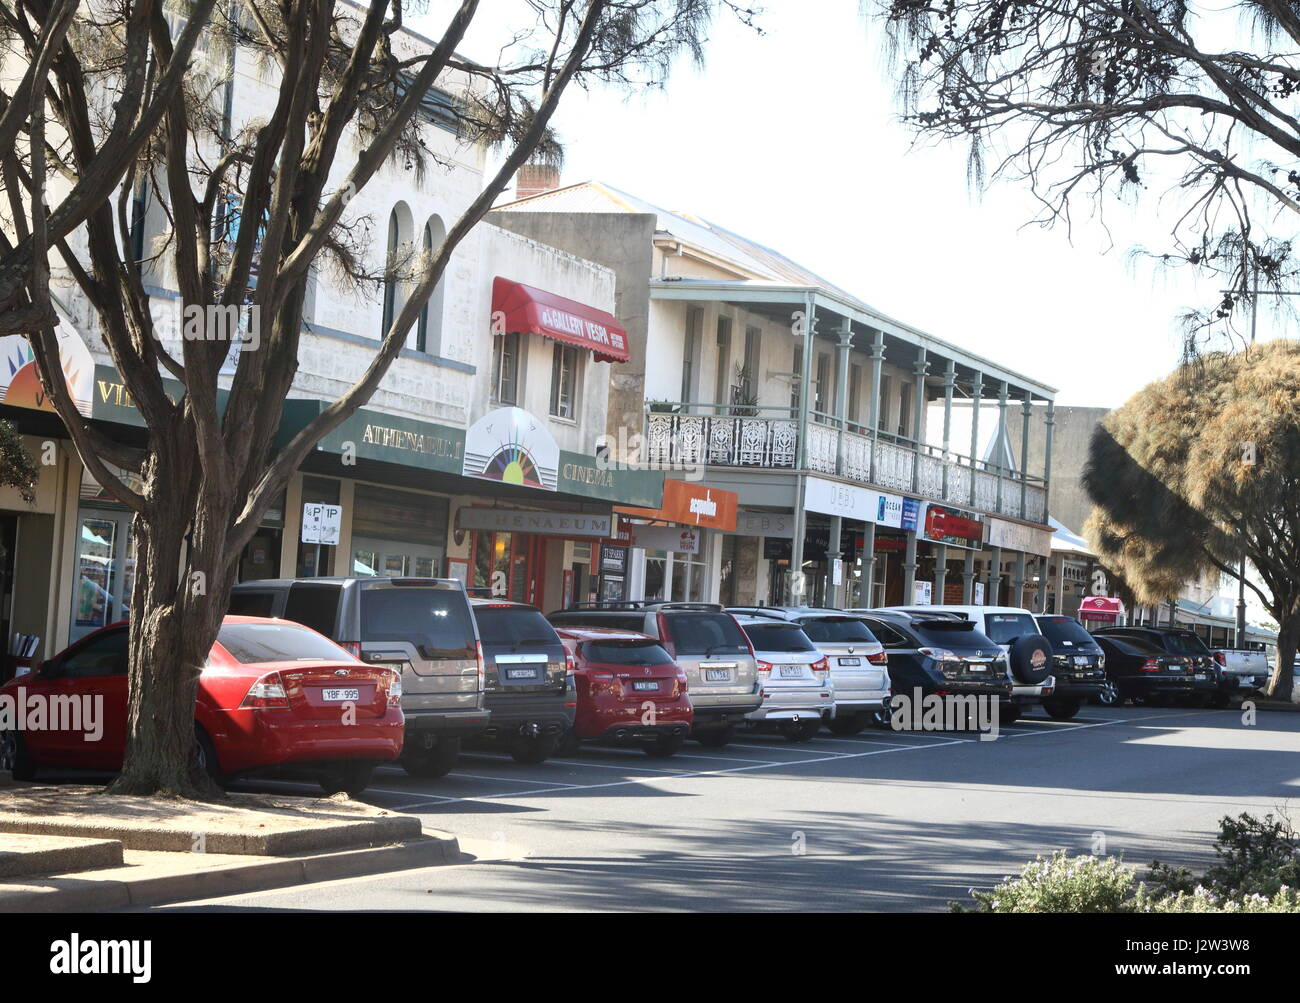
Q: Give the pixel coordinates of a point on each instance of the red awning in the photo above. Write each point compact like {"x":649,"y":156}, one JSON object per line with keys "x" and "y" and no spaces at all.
{"x":1104,"y":608}
{"x":527,"y":310}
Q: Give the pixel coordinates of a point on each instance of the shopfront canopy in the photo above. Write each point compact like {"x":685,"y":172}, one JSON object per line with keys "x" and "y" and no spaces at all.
{"x":521,"y":309}
{"x":1105,"y":609}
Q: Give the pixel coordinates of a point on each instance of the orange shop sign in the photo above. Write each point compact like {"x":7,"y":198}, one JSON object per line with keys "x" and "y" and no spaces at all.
{"x":692,"y":505}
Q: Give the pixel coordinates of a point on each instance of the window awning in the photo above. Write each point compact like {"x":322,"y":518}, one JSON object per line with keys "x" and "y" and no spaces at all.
{"x":526,"y":310}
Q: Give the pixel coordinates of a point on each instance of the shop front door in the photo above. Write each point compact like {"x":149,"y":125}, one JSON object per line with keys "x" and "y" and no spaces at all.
{"x":511,"y":566}
{"x":105,"y":570}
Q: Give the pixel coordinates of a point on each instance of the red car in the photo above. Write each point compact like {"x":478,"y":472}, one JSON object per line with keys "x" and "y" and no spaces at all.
{"x":273,"y":694}
{"x":630,"y":691}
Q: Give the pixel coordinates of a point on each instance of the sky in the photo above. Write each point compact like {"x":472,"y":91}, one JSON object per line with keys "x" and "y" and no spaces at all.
{"x":792,"y":139}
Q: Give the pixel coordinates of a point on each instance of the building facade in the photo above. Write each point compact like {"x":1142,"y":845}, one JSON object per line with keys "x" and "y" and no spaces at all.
{"x":814,"y":409}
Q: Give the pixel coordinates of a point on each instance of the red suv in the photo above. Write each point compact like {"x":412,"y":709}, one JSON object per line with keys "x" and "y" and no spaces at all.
{"x":273,"y":694}
{"x":630,"y":691}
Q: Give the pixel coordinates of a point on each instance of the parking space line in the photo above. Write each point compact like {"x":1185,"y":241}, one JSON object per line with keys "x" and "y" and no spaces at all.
{"x":708,"y":773}
{"x":506,"y":780}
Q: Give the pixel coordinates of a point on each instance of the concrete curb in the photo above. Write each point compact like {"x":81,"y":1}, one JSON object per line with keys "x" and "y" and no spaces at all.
{"x":21,"y":856}
{"x":85,"y":894}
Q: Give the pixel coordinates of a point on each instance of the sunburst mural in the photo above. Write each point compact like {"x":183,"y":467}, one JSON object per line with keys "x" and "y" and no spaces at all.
{"x":513,"y":447}
{"x":20,"y":382}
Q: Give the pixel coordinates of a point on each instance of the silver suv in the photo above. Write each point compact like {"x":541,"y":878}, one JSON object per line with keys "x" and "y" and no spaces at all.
{"x":858,"y":662}
{"x":421,"y":626}
{"x":704,"y":640}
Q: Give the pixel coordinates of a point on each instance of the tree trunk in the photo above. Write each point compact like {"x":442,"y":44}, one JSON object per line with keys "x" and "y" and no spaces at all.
{"x":1288,"y":635}
{"x":174,"y":622}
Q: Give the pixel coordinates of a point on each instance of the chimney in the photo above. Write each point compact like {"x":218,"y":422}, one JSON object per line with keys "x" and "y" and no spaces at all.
{"x":533,"y":179}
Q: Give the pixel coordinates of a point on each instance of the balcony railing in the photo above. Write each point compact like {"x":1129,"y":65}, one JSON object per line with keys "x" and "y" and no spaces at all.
{"x":768,"y":438}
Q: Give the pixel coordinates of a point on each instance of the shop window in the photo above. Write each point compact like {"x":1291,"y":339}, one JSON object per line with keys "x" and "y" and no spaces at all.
{"x":656,"y":573}
{"x":105,"y":570}
{"x":564,"y":382}
{"x":397,"y":534}
{"x":505,"y":368}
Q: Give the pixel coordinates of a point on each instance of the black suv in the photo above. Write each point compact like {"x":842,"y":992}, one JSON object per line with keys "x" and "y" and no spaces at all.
{"x":1078,"y":664}
{"x":528,"y":687}
{"x":1214,"y":686}
{"x":942,"y":653}
{"x":421,"y":626}
{"x":704,"y":640}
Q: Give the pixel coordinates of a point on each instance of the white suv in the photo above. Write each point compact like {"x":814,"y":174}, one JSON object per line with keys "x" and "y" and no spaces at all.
{"x":795,"y":679}
{"x":1028,"y":654}
{"x":859,"y":664}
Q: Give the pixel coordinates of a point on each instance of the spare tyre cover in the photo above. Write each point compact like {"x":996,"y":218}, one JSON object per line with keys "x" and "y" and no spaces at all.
{"x":1031,"y":659}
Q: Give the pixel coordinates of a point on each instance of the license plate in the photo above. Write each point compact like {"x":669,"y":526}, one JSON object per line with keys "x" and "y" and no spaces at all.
{"x":1201,"y":677}
{"x":791,"y":671}
{"x":1081,"y":660}
{"x":978,"y":668}
{"x":521,"y":673}
{"x":651,"y":685}
{"x":850,"y":661}
{"x":340,"y":696}
{"x":717,"y":675}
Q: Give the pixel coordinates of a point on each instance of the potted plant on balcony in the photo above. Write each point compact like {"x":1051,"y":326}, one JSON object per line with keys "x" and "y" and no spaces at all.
{"x":744,"y":395}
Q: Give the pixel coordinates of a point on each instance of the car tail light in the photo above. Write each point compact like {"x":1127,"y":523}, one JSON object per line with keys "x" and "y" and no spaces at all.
{"x":878,"y":658}
{"x":482,"y":667}
{"x":570,"y":663}
{"x":821,"y":668}
{"x":763,"y":666}
{"x":1150,"y":665}
{"x":683,"y":683}
{"x":1221,"y":658}
{"x":267,"y":692}
{"x":395,"y":689}
{"x":353,"y":648}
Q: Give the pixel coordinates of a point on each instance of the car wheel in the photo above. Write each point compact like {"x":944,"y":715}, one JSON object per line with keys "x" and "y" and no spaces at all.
{"x":851,"y":724}
{"x":351,"y":779}
{"x":207,"y":757}
{"x":716,"y":738}
{"x":533,"y":749}
{"x":432,"y":763}
{"x":1109,"y":695}
{"x":664,"y":746}
{"x":14,"y":757}
{"x":1062,"y":709}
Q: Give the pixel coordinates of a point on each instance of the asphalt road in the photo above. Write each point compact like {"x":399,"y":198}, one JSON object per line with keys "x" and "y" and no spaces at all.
{"x":882,"y":821}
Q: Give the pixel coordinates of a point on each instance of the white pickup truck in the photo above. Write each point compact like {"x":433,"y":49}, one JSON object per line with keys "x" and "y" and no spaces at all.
{"x":1250,"y":668}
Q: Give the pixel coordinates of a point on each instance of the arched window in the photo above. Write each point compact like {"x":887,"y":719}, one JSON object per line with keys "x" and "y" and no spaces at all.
{"x":390,"y":279}
{"x":429,"y":330}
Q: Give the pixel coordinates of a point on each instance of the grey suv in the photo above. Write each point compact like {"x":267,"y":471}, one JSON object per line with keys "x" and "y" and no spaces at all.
{"x":705,"y":641}
{"x":421,"y":626}
{"x":530,"y":692}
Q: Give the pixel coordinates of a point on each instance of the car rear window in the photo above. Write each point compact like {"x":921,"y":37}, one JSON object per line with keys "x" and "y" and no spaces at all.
{"x":832,"y":629}
{"x":513,"y":625}
{"x":315,"y":606}
{"x":1064,"y":632}
{"x":616,"y":621}
{"x":252,"y":603}
{"x":1135,"y":645}
{"x":253,"y":643}
{"x":956,"y":634}
{"x":705,"y":634}
{"x":778,"y":637}
{"x":1185,"y":644}
{"x":1006,"y":627}
{"x":437,"y":620}
{"x":625,"y":653}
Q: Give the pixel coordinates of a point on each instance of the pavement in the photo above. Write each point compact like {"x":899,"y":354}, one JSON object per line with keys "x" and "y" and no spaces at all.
{"x":72,"y":848}
{"x":879,"y":821}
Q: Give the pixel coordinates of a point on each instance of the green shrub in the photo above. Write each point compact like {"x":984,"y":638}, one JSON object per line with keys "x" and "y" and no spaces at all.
{"x":1258,"y":871}
{"x":1062,"y":883}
